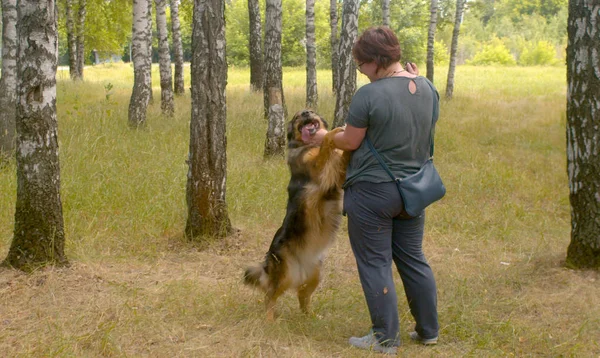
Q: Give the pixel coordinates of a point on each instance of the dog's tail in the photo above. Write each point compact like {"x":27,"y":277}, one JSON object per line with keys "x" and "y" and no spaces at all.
{"x":256,"y":276}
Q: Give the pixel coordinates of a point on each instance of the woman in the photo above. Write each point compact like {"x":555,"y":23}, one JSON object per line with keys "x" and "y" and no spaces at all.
{"x":395,"y":112}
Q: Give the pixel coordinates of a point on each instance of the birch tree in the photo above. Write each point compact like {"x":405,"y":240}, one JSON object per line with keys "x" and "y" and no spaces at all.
{"x":255,"y":44}
{"x":39,"y":235}
{"x":333,"y":41}
{"x":311,"y":57}
{"x":8,"y":82}
{"x":347,"y":68}
{"x":71,"y":40}
{"x":583,"y":132}
{"x":80,"y":58}
{"x":167,"y":105}
{"x":273,"y":88}
{"x":207,"y":174}
{"x":177,"y":47}
{"x":431,"y":38}
{"x":460,"y":4}
{"x":385,"y":12}
{"x":140,"y":96}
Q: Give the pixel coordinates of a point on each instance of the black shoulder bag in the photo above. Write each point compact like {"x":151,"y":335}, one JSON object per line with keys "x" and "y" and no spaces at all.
{"x":421,"y":189}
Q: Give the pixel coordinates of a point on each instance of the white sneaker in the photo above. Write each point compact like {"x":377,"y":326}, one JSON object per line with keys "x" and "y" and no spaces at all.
{"x":370,"y":342}
{"x":425,"y":341}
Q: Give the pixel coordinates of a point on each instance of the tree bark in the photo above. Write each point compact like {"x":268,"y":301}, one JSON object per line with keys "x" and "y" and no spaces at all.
{"x":39,"y":236}
{"x":274,"y":102}
{"x":81,"y":38}
{"x":460,"y":4}
{"x":347,"y":68}
{"x":149,"y":49}
{"x":385,"y":12}
{"x":71,"y":41}
{"x":583,"y":132}
{"x":311,"y":57}
{"x":255,"y":40}
{"x":140,"y":96}
{"x":333,"y":41}
{"x":431,"y":38}
{"x":8,"y":82}
{"x":207,"y":174}
{"x":167,"y":105}
{"x":177,"y":48}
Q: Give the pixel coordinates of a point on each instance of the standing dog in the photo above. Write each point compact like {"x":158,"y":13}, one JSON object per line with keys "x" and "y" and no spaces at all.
{"x":314,"y":212}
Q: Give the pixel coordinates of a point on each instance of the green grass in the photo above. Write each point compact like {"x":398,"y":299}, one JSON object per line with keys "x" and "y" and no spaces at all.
{"x":496,"y":242}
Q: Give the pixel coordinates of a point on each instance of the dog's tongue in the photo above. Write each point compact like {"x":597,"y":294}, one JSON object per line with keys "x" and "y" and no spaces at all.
{"x":308,"y":131}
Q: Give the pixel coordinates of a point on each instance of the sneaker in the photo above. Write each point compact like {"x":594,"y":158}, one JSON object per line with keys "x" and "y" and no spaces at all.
{"x":371,"y":343}
{"x":425,"y":341}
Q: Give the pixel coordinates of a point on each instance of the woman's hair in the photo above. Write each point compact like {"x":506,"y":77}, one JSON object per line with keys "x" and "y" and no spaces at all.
{"x":379,"y":45}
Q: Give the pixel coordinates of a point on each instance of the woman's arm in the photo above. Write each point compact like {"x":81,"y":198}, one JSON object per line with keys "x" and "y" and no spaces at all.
{"x":350,"y":138}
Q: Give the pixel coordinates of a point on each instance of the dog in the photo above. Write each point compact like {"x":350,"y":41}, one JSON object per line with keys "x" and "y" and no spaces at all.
{"x":313,"y":215}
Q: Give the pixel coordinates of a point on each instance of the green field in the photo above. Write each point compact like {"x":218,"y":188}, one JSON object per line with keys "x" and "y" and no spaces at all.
{"x":136,"y":287}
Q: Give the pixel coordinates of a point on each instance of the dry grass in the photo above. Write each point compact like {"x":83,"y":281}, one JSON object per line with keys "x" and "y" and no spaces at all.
{"x":136,"y":288}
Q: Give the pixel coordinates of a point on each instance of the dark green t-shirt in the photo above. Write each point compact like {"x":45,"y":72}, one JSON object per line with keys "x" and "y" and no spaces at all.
{"x":398,"y":124}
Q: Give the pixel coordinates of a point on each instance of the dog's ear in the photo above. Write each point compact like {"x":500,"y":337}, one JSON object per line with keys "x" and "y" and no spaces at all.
{"x":290,"y":129}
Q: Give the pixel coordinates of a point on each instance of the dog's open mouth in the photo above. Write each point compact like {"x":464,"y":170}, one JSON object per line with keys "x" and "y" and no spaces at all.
{"x":308,"y":130}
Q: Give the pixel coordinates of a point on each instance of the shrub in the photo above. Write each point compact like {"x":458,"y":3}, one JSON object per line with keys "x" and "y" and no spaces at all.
{"x":540,"y":53}
{"x":493,"y":53}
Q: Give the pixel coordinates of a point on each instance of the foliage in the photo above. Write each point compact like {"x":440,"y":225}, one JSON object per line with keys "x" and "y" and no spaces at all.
{"x":540,"y":53}
{"x":493,"y":53}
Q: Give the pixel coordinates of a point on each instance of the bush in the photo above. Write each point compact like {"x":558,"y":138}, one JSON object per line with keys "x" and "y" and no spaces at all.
{"x":541,"y":53}
{"x":493,"y":53}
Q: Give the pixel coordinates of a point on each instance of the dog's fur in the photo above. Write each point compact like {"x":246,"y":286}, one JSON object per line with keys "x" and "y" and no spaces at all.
{"x":312,"y":218}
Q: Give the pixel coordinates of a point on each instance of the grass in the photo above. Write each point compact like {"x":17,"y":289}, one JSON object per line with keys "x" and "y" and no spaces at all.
{"x":496,"y":242}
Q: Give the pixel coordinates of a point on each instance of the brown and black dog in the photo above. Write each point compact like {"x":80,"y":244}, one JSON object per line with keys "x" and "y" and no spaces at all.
{"x":313,"y":215}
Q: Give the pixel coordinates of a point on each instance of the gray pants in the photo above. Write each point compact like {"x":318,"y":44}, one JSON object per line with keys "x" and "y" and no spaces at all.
{"x":380,"y":233}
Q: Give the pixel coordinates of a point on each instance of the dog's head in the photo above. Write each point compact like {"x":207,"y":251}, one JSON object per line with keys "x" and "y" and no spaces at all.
{"x":303,"y":126}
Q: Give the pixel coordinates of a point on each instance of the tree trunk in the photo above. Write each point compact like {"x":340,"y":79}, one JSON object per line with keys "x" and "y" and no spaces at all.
{"x":39,"y":235}
{"x":453,"y":48}
{"x":166,"y":77}
{"x":149,"y":48}
{"x":273,"y":90}
{"x":207,"y":174}
{"x":431,"y":38}
{"x":311,"y":57}
{"x":333,"y":41}
{"x":71,"y":41}
{"x":255,"y":40}
{"x":140,"y":96}
{"x":583,"y":133}
{"x":8,"y":82}
{"x":385,"y":12}
{"x":347,"y":68}
{"x":177,"y":47}
{"x":80,"y":38}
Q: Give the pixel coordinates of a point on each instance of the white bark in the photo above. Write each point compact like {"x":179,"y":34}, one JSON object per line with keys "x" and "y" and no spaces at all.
{"x":166,"y":81}
{"x":177,"y":47}
{"x":311,"y":57}
{"x":460,"y":4}
{"x":140,"y":95}
{"x":333,"y":42}
{"x":431,"y":38}
{"x":346,"y":66}
{"x":8,"y":82}
{"x":385,"y":12}
{"x":82,"y":13}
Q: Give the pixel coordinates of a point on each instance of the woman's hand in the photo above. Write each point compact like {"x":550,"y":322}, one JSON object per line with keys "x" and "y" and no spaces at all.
{"x":411,"y":67}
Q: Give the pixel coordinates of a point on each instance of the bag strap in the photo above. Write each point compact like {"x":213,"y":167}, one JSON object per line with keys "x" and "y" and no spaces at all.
{"x":431,"y":145}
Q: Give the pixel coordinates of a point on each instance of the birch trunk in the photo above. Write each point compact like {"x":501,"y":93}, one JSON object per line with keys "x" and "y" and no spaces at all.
{"x":166,"y":77}
{"x":71,"y":41}
{"x":207,"y":174}
{"x":333,"y":41}
{"x":460,"y":4}
{"x":149,"y":49}
{"x":347,"y":68}
{"x":39,"y":236}
{"x":273,"y":90}
{"x":311,"y":57}
{"x":385,"y":12}
{"x":140,"y":96}
{"x":431,"y":39}
{"x":8,"y":82}
{"x":583,"y":132}
{"x":255,"y":40}
{"x":81,"y":38}
{"x":177,"y":47}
